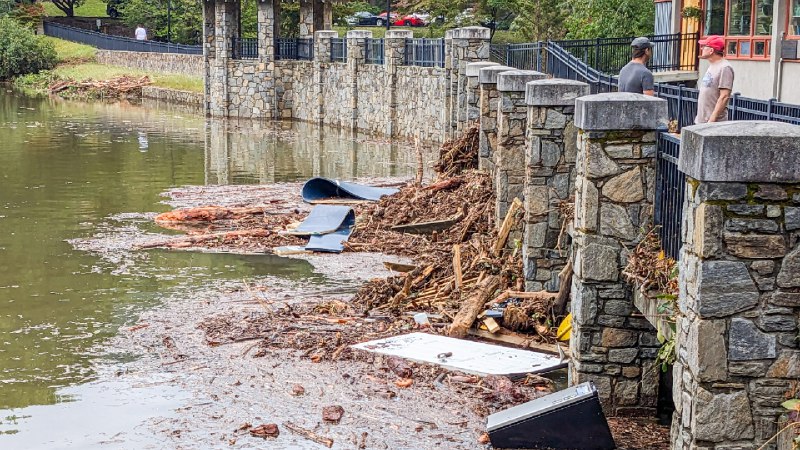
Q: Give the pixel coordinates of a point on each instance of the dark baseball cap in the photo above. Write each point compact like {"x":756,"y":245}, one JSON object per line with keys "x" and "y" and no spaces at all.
{"x":641,"y":42}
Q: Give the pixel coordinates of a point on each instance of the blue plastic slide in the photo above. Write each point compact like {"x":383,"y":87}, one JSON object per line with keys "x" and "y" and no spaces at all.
{"x":317,"y":189}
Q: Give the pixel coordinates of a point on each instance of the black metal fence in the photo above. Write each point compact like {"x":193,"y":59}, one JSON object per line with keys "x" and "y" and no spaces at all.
{"x":339,"y":50}
{"x":294,"y":48}
{"x":245,"y":48}
{"x":373,"y":51}
{"x":497,"y":53}
{"x":529,"y":56}
{"x":608,"y":55}
{"x":670,"y":193}
{"x":425,"y":52}
{"x":109,"y":42}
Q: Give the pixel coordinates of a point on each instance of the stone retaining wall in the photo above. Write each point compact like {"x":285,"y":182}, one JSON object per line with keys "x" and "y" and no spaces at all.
{"x":190,"y":65}
{"x":173,"y":96}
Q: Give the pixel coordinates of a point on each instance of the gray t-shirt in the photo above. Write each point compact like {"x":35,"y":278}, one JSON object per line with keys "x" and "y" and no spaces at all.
{"x":635,"y":77}
{"x":718,"y":76}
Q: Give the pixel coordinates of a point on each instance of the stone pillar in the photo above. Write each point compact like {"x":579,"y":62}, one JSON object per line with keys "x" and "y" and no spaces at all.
{"x":469,"y":44}
{"x":394,"y":54}
{"x":356,"y":47}
{"x":306,"y":18}
{"x":487,"y":139}
{"x":209,"y":51}
{"x":613,"y":210}
{"x":512,"y":116}
{"x":739,"y":300}
{"x":473,"y":108}
{"x":226,"y":27}
{"x":266,"y":35}
{"x":550,"y":151}
{"x":322,"y":57}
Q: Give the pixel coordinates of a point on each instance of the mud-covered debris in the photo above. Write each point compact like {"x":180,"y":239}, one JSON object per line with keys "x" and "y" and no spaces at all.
{"x":503,"y":390}
{"x":404,"y":382}
{"x":399,"y":367}
{"x":483,"y":439}
{"x":298,"y":390}
{"x":267,"y":430}
{"x":332,"y":414}
{"x":308,"y":434}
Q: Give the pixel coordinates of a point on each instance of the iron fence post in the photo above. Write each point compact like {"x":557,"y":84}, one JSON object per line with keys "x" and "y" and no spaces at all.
{"x":734,"y":106}
{"x":680,"y":106}
{"x":770,"y":104}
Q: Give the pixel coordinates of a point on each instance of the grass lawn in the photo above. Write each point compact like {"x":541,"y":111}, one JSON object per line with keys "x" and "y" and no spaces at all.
{"x":90,"y":8}
{"x":96,"y":71}
{"x":72,"y":51}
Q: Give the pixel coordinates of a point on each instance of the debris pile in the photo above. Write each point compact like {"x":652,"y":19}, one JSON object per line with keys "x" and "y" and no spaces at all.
{"x":124,"y":86}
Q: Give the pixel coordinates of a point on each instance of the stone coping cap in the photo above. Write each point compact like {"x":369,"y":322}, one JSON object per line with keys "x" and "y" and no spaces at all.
{"x":474,"y":68}
{"x":472,"y":33}
{"x":620,"y":111}
{"x":326,"y":34}
{"x":359,"y":34}
{"x":515,"y":80}
{"x":554,"y":92}
{"x":399,"y":34}
{"x":741,"y":151}
{"x":489,"y":74}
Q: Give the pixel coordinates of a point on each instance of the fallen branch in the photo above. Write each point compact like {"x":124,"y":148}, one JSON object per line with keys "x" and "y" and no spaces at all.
{"x":505,"y":228}
{"x":564,"y":286}
{"x":188,"y":241}
{"x":308,"y":434}
{"x":472,"y":306}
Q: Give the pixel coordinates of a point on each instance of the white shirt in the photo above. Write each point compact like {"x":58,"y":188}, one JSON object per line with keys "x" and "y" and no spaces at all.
{"x":141,"y":34}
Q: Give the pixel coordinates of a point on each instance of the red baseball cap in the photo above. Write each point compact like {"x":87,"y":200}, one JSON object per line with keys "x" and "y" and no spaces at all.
{"x":713,"y":41}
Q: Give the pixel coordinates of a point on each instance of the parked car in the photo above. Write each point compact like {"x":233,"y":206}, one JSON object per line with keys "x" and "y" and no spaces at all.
{"x":394,"y":18}
{"x":365,"y":18}
{"x":410,"y":20}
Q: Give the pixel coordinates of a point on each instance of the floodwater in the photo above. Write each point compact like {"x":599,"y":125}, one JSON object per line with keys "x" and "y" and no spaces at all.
{"x":67,"y":170}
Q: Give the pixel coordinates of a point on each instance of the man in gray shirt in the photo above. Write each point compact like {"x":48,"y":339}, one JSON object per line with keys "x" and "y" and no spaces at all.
{"x":635,"y":76}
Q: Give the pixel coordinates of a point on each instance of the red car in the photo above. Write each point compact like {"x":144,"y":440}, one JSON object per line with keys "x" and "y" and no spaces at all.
{"x":410,"y":20}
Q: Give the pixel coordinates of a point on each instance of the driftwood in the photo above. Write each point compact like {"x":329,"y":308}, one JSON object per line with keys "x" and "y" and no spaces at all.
{"x":206,"y":214}
{"x":399,"y":267}
{"x":430,"y":227}
{"x":521,"y":340}
{"x":505,"y":228}
{"x":472,"y":306}
{"x":188,"y":241}
{"x":308,"y":434}
{"x":457,"y":266}
{"x":564,"y":286}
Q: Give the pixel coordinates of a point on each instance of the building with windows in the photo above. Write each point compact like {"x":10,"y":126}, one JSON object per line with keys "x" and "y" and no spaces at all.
{"x":761,"y":38}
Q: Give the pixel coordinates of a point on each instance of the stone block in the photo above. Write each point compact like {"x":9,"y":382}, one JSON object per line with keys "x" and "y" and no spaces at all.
{"x":330,"y":34}
{"x":620,"y":111}
{"x":753,"y":246}
{"x":722,"y":417}
{"x":750,"y":225}
{"x":587,"y":205}
{"x":786,"y":366}
{"x":721,"y":191}
{"x":777,"y":322}
{"x":615,"y":221}
{"x":771,"y":192}
{"x":706,"y":231}
{"x":555,"y":119}
{"x":626,"y":392}
{"x":474,"y":32}
{"x":741,"y":151}
{"x":746,"y":342}
{"x":626,"y":187}
{"x":618,"y":337}
{"x":554,"y":92}
{"x":623,"y":355}
{"x":395,"y":34}
{"x":746,"y":210}
{"x":725,"y":288}
{"x":515,"y":80}
{"x":596,"y":258}
{"x":474,"y":68}
{"x":792,"y":218}
{"x":707,"y":357}
{"x":359,"y":34}
{"x":488,"y":75}
{"x":789,"y":275}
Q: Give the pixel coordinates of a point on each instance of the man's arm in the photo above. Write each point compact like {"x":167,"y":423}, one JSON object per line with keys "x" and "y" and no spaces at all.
{"x":648,"y":84}
{"x":722,"y":103}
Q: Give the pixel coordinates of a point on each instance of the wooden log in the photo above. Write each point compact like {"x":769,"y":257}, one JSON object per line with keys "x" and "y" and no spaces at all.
{"x":206,"y":214}
{"x":472,"y":306}
{"x":457,"y":266}
{"x":509,"y":337}
{"x":399,"y":267}
{"x":308,"y":434}
{"x":188,"y":241}
{"x":564,"y":286}
{"x":505,"y":228}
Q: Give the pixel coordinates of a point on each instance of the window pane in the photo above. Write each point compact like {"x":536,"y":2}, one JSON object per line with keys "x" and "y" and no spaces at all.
{"x":715,"y":17}
{"x":732,"y":47}
{"x":760,"y":46}
{"x":739,"y":17}
{"x":763,"y":18}
{"x":744,"y":48}
{"x":794,"y":20}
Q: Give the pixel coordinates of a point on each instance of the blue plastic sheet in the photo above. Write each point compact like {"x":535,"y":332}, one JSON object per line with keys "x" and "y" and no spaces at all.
{"x":317,"y":189}
{"x":325,"y":219}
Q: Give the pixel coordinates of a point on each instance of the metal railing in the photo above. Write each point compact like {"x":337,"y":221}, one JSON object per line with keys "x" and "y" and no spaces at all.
{"x":301,"y":49}
{"x":245,"y":48}
{"x":109,"y":42}
{"x":529,"y":56}
{"x":669,"y":195}
{"x":497,"y":53}
{"x":339,"y":50}
{"x":609,"y":55}
{"x":373,"y":51}
{"x":425,"y":52}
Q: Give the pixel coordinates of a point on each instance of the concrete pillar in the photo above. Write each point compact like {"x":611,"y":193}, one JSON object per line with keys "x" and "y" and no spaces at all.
{"x":356,"y":46}
{"x":612,"y":346}
{"x":487,"y":139}
{"x":322,"y":57}
{"x":512,"y":116}
{"x":550,"y":151}
{"x":394,"y":54}
{"x":739,"y":284}
{"x":473,"y":109}
{"x":469,"y":44}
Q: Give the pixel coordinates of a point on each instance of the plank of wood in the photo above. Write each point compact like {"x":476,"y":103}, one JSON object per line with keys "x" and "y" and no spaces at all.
{"x":564,"y":287}
{"x":430,"y":227}
{"x":491,"y":325}
{"x":399,"y":267}
{"x":457,"y":266}
{"x":505,"y":228}
{"x":308,"y":434}
{"x":472,"y":306}
{"x":520,"y":340}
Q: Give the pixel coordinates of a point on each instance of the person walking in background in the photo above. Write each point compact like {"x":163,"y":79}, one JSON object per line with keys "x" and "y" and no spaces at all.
{"x":635,"y":76}
{"x":141,"y":33}
{"x":716,"y":85}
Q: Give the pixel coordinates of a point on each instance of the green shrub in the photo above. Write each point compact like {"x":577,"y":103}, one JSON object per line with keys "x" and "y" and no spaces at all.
{"x":21,"y":51}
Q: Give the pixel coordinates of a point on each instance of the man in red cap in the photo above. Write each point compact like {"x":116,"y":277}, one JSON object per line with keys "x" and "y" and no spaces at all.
{"x":716,"y":85}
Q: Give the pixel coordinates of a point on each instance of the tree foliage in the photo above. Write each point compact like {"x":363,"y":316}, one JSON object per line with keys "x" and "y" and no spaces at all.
{"x":21,"y":51}
{"x":589,"y":19}
{"x":540,"y":20}
{"x":186,"y":19}
{"x":68,"y":6}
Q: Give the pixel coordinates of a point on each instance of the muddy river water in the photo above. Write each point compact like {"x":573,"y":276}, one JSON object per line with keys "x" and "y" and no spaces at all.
{"x":67,"y":170}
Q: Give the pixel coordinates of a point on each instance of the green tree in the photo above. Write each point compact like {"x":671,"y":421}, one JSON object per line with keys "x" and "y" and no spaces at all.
{"x":186,"y":19}
{"x":21,"y":51}
{"x":68,"y":6}
{"x":540,"y":20}
{"x":589,"y":19}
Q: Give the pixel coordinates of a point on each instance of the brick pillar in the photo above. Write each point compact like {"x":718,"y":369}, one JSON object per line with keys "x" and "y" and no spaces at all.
{"x":322,"y":58}
{"x":739,"y":283}
{"x":469,"y":44}
{"x":550,"y":151}
{"x":613,"y":208}
{"x":487,"y":139}
{"x":512,"y":116}
{"x":473,"y":108}
{"x":356,"y":46}
{"x":394,"y":55}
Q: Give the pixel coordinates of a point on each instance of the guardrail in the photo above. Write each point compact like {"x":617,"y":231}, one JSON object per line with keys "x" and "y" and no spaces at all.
{"x":301,"y":49}
{"x":425,"y":52}
{"x":109,"y":42}
{"x":245,"y":48}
